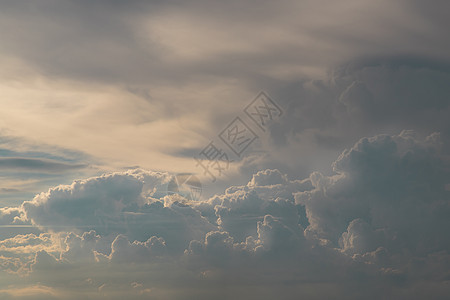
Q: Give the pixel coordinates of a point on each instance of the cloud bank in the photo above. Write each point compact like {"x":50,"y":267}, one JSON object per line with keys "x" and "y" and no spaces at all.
{"x":375,"y":228}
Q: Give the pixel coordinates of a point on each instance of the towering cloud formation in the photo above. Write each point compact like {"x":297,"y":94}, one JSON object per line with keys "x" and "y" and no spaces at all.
{"x":389,"y":191}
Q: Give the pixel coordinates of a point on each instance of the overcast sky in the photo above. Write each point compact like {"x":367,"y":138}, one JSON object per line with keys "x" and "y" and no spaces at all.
{"x":314,"y":137}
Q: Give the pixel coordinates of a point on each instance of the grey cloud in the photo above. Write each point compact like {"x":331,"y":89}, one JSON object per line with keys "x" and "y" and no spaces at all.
{"x":389,"y":191}
{"x":86,"y":198}
{"x":369,"y":222}
{"x":119,"y":203}
{"x":44,"y":261}
{"x":124,"y":251}
{"x":9,"y":190}
{"x":28,"y":166}
{"x":268,"y":193}
{"x":83,"y":248}
{"x":369,"y":233}
{"x":36,"y":164}
{"x":67,"y":37}
{"x":24,"y":147}
{"x":361,"y":98}
{"x":18,"y":252}
{"x":70,"y":38}
{"x":104,"y":43}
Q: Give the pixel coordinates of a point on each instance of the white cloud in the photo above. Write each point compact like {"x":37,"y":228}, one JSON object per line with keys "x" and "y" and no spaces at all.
{"x":119,"y":203}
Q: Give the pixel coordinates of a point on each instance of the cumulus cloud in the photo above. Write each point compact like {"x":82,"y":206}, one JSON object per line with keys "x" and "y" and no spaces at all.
{"x":82,"y":248}
{"x":12,"y":215}
{"x":389,"y":192}
{"x":124,"y":251}
{"x":382,"y":215}
{"x":360,"y":97}
{"x":130,"y":203}
{"x":80,"y":203}
{"x":19,"y":253}
{"x":268,"y":193}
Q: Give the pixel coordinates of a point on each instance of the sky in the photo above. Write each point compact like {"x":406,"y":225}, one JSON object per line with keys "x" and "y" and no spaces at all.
{"x":224,"y":149}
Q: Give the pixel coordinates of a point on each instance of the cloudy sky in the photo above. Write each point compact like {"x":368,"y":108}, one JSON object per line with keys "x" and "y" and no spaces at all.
{"x":314,"y":139}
